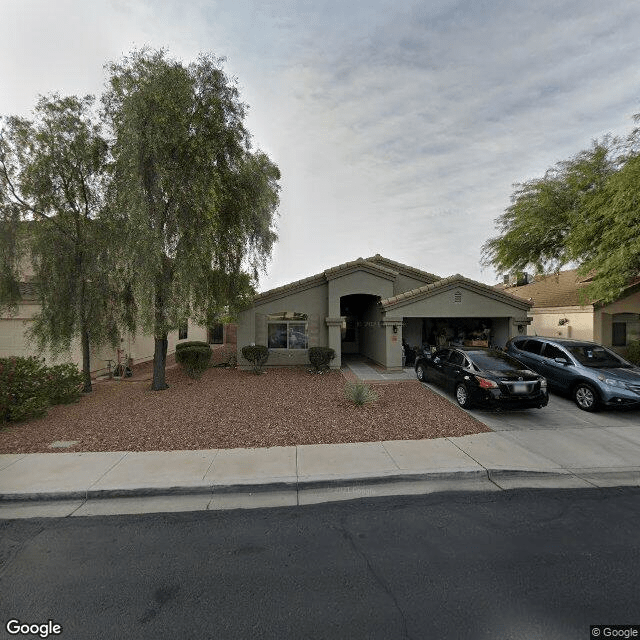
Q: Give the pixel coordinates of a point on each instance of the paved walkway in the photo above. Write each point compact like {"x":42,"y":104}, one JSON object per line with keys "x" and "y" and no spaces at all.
{"x":523,"y":451}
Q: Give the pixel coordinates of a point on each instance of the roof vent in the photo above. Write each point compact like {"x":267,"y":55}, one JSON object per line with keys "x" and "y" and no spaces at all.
{"x":457,"y":297}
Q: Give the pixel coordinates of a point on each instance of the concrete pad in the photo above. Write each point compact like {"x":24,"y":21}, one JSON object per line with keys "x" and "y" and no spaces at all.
{"x":262,"y":465}
{"x":39,"y":509}
{"x":438,"y":454}
{"x":559,"y":479}
{"x":494,"y":451}
{"x":464,"y":482}
{"x":615,"y":477}
{"x":152,"y":504}
{"x":56,"y":472}
{"x":350,"y":460}
{"x":158,"y":469}
{"x":7,"y":459}
{"x":579,"y":448}
{"x":261,"y":500}
{"x":631,"y":433}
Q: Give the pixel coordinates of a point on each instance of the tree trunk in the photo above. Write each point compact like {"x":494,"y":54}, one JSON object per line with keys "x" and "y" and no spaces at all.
{"x":159,"y":364}
{"x":86,"y":360}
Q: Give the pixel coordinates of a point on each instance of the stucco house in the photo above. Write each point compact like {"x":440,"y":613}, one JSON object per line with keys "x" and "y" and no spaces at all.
{"x":370,"y":306}
{"x":138,"y":347}
{"x":559,"y":311}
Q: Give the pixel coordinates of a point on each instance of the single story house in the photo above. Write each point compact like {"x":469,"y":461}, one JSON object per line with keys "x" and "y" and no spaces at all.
{"x":371,"y":307}
{"x":559,"y":311}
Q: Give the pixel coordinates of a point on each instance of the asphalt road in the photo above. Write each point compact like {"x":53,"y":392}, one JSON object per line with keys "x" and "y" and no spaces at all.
{"x":510,"y":565}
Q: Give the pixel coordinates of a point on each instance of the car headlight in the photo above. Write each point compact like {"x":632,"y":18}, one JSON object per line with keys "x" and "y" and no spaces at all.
{"x":612,"y":382}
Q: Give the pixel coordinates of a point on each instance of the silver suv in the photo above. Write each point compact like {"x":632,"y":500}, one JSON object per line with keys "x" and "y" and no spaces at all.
{"x":593,"y":375}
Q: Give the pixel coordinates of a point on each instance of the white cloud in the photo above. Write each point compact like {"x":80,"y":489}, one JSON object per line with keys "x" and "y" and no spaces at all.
{"x":399,"y":128}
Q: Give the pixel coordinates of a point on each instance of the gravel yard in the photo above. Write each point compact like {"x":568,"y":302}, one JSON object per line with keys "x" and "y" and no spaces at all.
{"x":228,"y":408}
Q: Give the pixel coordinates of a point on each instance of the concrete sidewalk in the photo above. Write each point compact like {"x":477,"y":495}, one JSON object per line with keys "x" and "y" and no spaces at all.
{"x":558,"y":447}
{"x":62,"y":484}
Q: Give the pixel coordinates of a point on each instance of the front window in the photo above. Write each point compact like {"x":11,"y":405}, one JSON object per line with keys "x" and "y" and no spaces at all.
{"x":287,"y":330}
{"x":183,"y":332}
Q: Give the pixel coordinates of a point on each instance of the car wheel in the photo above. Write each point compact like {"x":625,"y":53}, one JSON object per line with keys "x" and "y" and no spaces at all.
{"x":462,"y":396}
{"x":585,"y":397}
{"x":421,"y":373}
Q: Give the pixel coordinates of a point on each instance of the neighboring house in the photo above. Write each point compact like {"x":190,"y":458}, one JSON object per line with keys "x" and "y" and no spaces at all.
{"x":138,"y":347}
{"x":369,"y":306}
{"x":559,"y":310}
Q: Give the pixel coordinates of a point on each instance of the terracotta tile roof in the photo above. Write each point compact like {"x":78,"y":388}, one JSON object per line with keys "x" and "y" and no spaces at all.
{"x":451,"y":282}
{"x":403,"y":268}
{"x":556,"y":290}
{"x":321,"y":278}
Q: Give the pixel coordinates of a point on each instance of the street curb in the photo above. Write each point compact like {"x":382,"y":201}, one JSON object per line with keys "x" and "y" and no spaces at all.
{"x":484,"y":478}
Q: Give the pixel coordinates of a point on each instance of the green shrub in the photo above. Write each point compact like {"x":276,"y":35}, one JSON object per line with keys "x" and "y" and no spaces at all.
{"x":257,"y":355}
{"x":320,"y":357}
{"x":65,"y":383}
{"x":192,"y":343}
{"x":194,"y":358}
{"x":633,"y":352}
{"x":359,"y":393}
{"x":24,"y":391}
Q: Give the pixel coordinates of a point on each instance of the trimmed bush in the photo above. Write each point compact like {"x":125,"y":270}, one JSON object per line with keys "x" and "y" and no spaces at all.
{"x":192,"y":343}
{"x":633,"y":352}
{"x":194,"y":358}
{"x":359,"y":393}
{"x":320,"y":357}
{"x":24,"y":388}
{"x":257,"y":355}
{"x":65,"y":383}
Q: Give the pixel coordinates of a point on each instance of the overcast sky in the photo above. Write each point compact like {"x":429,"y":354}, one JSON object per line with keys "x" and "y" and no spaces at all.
{"x":399,"y":126}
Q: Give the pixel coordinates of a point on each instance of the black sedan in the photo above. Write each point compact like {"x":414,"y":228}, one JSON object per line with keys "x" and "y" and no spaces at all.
{"x":483,"y":377}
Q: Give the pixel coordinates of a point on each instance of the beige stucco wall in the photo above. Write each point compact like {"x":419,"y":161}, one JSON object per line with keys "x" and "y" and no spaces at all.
{"x":472,"y":305}
{"x":406,"y":283}
{"x":13,"y":342}
{"x":356,"y":282}
{"x":545,"y":322}
{"x":252,"y":325}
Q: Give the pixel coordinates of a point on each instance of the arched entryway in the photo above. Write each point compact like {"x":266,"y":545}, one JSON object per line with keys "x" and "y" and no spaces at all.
{"x":361,"y":329}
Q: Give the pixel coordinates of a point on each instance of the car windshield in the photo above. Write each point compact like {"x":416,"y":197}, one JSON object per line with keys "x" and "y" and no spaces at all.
{"x":592,"y":355}
{"x":494,"y":361}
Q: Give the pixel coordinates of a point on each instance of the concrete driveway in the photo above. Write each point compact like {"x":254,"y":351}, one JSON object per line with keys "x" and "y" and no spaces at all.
{"x":560,"y":413}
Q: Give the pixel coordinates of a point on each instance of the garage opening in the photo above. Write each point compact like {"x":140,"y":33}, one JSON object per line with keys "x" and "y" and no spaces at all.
{"x":435,"y":333}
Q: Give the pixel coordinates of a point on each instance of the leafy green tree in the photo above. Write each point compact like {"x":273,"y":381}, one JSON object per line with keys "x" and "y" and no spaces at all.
{"x":584,"y":211}
{"x":194,"y":204}
{"x":52,"y":186}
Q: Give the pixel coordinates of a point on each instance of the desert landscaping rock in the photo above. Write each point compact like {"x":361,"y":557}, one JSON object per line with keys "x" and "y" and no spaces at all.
{"x":227,"y":408}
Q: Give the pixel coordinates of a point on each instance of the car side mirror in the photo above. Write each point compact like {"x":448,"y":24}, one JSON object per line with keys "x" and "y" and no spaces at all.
{"x":561,"y":361}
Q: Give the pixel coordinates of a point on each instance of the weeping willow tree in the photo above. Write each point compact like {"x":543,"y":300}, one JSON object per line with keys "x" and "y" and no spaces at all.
{"x":53,"y":177}
{"x":193,"y":203}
